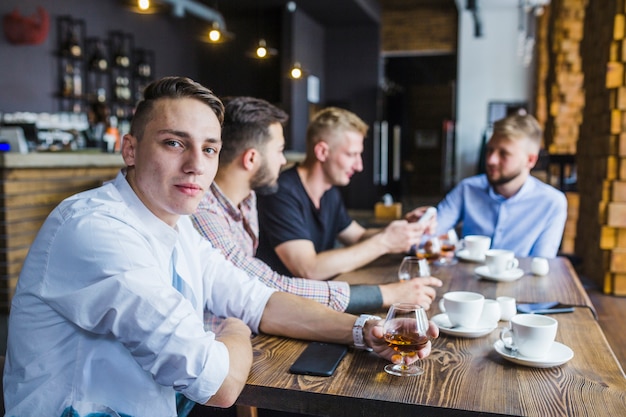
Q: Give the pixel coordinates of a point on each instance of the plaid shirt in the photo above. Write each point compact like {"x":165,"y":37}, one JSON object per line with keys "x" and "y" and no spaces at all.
{"x":235,"y":231}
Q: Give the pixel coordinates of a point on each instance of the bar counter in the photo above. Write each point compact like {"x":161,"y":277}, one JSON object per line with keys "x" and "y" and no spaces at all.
{"x":32,"y":185}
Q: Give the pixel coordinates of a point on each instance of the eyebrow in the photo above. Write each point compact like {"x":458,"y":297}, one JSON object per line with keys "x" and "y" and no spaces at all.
{"x":183,"y":134}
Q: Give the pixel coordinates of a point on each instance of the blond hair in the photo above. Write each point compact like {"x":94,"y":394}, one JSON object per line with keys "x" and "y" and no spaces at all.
{"x":520,"y":127}
{"x":328,"y":122}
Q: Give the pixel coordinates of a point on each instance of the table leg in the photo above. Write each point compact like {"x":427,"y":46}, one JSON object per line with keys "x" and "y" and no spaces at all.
{"x":246,"y":411}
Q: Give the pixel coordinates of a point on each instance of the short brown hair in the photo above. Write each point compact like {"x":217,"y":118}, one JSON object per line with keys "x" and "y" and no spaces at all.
{"x":246,"y":125}
{"x":172,"y":87}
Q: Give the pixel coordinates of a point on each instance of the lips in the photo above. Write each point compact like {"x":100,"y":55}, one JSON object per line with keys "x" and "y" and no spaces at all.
{"x":189,"y":189}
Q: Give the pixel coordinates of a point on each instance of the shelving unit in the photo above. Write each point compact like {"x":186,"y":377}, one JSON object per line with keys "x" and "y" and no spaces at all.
{"x":70,"y":52}
{"x":143,"y":60}
{"x":121,"y":74}
{"x":104,"y":77}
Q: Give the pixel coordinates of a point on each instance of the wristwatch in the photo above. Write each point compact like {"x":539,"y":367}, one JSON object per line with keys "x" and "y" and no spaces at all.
{"x":357,"y":331}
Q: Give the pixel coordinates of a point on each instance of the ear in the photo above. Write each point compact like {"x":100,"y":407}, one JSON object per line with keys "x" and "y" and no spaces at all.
{"x":129,"y":148}
{"x":249,"y":158}
{"x":321,"y":150}
{"x":532,"y":160}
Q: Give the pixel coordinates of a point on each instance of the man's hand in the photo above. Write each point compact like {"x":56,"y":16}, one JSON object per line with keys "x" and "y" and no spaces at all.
{"x":400,"y":235}
{"x":416,"y":214}
{"x":418,"y":291}
{"x":374,"y":338}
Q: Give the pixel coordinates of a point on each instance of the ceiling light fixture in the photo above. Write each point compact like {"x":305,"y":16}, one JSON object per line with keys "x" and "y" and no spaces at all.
{"x":143,"y":5}
{"x":217,"y":32}
{"x":296,"y":72}
{"x":263,"y":51}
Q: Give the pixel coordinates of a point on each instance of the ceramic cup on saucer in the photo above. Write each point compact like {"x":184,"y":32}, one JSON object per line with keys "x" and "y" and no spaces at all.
{"x":463,"y":308}
{"x":491,"y":313}
{"x":508,"y":307}
{"x":539,"y":266}
{"x":531,"y":335}
{"x":500,"y":261}
{"x":476,"y":245}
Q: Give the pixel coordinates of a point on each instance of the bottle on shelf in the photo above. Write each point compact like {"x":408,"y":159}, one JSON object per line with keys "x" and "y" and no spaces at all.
{"x":122,"y":59}
{"x":77,"y":81}
{"x":98,"y":59}
{"x":72,"y":43}
{"x":67,"y":86}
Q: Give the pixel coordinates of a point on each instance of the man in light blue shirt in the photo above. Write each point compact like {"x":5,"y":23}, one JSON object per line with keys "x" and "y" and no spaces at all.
{"x":107,"y":317}
{"x":516,"y":210}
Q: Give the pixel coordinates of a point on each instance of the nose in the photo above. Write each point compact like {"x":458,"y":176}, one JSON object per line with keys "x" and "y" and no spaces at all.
{"x":491,"y":158}
{"x":283,"y":159}
{"x":194,"y":161}
{"x":358,"y":164}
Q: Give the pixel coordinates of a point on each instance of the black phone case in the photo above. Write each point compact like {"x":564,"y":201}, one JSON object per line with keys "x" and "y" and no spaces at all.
{"x":320,"y":359}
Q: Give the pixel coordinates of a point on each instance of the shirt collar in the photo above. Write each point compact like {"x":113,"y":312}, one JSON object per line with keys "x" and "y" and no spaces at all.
{"x":157,"y":227}
{"x":526,"y":189}
{"x":234,"y":212}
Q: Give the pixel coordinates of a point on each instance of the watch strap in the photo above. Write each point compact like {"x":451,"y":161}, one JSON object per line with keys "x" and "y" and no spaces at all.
{"x":357,"y":331}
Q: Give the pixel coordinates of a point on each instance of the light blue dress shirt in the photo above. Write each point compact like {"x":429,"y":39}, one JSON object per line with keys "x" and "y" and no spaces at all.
{"x":95,"y":323}
{"x":530,"y":223}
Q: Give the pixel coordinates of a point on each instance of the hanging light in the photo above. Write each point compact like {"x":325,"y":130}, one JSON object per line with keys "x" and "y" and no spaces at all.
{"x":262,"y":51}
{"x":215,"y":34}
{"x":296,"y":71}
{"x":143,"y":5}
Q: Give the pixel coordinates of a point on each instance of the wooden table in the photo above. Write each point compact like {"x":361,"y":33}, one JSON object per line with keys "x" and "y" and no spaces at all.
{"x":463,"y":376}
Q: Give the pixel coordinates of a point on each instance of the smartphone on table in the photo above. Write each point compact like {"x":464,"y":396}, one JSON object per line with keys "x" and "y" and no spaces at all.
{"x":319,"y":359}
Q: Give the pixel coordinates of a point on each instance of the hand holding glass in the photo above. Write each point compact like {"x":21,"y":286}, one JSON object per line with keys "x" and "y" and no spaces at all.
{"x":449,"y":242}
{"x":405,"y":330}
{"x":412,"y":267}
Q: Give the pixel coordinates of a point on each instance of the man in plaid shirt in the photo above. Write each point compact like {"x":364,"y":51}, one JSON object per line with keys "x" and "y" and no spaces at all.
{"x":250,"y":161}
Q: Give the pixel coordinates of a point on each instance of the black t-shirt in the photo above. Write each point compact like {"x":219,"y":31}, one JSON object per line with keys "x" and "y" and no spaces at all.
{"x":289,"y":214}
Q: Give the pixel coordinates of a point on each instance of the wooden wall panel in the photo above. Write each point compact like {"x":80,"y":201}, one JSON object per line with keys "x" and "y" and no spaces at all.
{"x":27,"y":197}
{"x":408,"y":28}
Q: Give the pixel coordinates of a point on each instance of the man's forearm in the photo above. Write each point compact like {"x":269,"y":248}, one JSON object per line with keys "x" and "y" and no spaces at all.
{"x":292,"y":316}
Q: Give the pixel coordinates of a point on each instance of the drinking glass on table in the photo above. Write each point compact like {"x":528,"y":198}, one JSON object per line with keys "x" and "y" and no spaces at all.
{"x":412,"y":267}
{"x":405,"y":330}
{"x":449,"y":243}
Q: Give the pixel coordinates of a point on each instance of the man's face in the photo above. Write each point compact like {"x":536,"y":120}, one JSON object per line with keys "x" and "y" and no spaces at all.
{"x":507,"y":159}
{"x":174,"y":163}
{"x":264,"y":180}
{"x":344,"y":157}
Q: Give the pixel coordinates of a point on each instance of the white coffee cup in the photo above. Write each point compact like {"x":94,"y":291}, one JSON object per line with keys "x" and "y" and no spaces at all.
{"x":476,"y":245}
{"x":490,"y":316}
{"x":508,"y":307}
{"x":462,"y":307}
{"x":532,"y":335}
{"x":539,"y":266}
{"x":500,"y":261}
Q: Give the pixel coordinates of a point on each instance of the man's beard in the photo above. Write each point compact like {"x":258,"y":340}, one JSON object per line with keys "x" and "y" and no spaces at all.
{"x":504,"y":179}
{"x":263,"y":182}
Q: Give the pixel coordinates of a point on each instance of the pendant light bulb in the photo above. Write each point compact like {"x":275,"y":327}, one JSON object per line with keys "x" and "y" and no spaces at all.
{"x":261,"y":50}
{"x":296,"y":71}
{"x":215,"y":34}
{"x":143,"y":5}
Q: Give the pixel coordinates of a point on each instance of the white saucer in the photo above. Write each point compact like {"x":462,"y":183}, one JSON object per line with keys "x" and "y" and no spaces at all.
{"x":443,"y":322}
{"x":510,"y":275}
{"x":557,"y":355}
{"x":465,"y":255}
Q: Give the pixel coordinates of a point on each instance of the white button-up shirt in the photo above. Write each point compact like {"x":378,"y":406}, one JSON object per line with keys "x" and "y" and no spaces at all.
{"x":95,"y":324}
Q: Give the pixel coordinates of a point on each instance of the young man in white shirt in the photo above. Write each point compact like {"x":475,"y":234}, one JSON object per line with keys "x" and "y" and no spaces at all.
{"x":107,"y":316}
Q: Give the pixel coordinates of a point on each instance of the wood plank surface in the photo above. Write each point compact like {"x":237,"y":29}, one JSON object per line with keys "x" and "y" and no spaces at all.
{"x":463,"y":376}
{"x":558,"y":285}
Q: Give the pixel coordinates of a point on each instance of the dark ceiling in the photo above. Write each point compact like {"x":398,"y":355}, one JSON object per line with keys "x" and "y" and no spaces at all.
{"x":327,"y":12}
